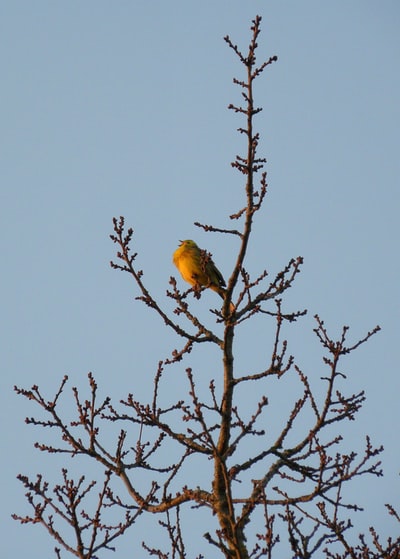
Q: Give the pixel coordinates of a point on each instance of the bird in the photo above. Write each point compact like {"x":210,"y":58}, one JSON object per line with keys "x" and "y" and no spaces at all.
{"x":197,"y":268}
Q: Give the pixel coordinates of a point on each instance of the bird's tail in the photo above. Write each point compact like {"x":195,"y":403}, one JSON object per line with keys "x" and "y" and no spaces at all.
{"x":222,"y":293}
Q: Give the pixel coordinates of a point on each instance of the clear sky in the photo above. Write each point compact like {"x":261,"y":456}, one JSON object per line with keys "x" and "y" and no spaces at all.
{"x":121,"y":108}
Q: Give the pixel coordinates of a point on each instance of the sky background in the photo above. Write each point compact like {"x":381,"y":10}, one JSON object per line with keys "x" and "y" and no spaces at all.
{"x":120,"y":108}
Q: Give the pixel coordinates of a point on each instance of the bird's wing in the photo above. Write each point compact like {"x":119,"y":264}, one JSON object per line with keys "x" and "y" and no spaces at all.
{"x":218,"y":274}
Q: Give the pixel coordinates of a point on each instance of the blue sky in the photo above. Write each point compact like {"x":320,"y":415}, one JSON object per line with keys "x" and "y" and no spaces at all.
{"x":121,"y":109}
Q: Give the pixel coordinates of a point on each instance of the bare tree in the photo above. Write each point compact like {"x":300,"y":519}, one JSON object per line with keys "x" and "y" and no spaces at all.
{"x":271,"y":489}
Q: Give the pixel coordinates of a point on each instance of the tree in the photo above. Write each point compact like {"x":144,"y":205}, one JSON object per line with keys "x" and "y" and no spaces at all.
{"x":290,"y":481}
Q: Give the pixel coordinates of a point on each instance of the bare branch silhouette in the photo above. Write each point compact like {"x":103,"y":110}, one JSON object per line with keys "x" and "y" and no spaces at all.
{"x":275,"y":486}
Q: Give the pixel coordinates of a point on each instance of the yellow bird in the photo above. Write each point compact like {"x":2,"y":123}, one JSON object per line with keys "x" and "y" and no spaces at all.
{"x":197,"y":268}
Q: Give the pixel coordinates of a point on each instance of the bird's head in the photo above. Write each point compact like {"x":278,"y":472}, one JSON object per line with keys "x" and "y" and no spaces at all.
{"x":188,"y":244}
